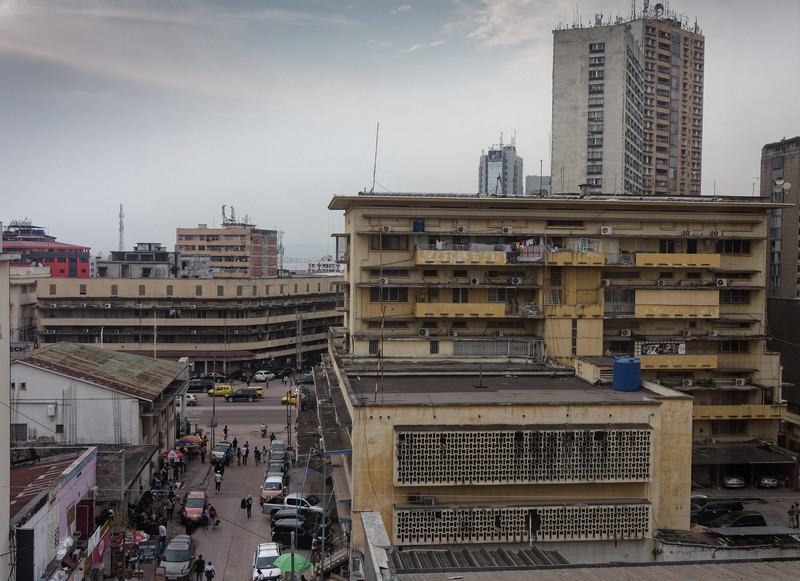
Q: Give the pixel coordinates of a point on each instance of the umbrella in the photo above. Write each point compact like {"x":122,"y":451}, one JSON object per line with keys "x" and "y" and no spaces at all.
{"x":130,"y":537}
{"x":186,"y":443}
{"x":193,"y":438}
{"x":172,"y":455}
{"x":284,"y":563}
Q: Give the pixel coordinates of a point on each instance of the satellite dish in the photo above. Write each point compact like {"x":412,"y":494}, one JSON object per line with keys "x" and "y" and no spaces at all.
{"x":778,"y":181}
{"x":659,"y":8}
{"x":786,"y":186}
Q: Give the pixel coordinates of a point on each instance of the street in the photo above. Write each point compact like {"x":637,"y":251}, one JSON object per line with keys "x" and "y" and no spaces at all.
{"x":232,"y":545}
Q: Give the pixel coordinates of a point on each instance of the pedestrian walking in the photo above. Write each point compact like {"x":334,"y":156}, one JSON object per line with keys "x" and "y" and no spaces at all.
{"x":294,"y":457}
{"x":257,"y":455}
{"x":245,"y":452}
{"x":162,"y":538}
{"x":170,"y":504}
{"x":271,"y":438}
{"x":189,"y":527}
{"x":249,"y":506}
{"x":225,"y":432}
{"x":202,"y":454}
{"x":235,"y":443}
{"x":264,"y":453}
{"x":210,"y":571}
{"x":238,"y":456}
{"x":212,"y":514}
{"x":217,"y":480}
{"x":199,"y":567}
{"x":204,"y":519}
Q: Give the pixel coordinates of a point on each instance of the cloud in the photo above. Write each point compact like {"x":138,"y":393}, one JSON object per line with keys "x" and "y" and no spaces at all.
{"x":399,"y":9}
{"x":508,"y":23}
{"x":423,"y":45}
{"x":88,"y":96}
{"x":377,"y":43}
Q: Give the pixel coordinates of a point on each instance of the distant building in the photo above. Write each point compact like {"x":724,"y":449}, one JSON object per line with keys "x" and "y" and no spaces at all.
{"x":236,"y":250}
{"x":628,"y":105}
{"x":37,"y":248}
{"x":152,"y":260}
{"x":538,"y":186}
{"x":500,"y":171}
{"x":5,"y":400}
{"x":780,"y":182}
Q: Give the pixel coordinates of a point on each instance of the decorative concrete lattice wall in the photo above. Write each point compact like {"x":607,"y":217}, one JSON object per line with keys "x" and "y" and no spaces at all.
{"x":520,"y":524}
{"x":507,"y":456}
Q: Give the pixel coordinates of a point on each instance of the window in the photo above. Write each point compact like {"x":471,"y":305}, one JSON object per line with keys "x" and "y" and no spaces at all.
{"x":239,"y":290}
{"x":460,"y":274}
{"x":19,"y":432}
{"x":733,"y":346}
{"x":596,"y":88}
{"x":220,"y":290}
{"x":82,"y":289}
{"x":597,"y":61}
{"x":388,"y":242}
{"x":114,"y":290}
{"x":720,"y":427}
{"x":734,"y":296}
{"x":432,"y":272}
{"x":666,"y":246}
{"x":597,"y":47}
{"x":52,"y":290}
{"x":502,"y":295}
{"x":141,"y":290}
{"x":434,"y":347}
{"x":388,"y":325}
{"x":595,"y":116}
{"x":374,"y":346}
{"x":733,"y":247}
{"x":388,"y":295}
{"x":433,"y":294}
{"x":596,"y":74}
{"x":169,"y":290}
{"x":387,"y":272}
{"x":595,"y":101}
{"x":461,"y":295}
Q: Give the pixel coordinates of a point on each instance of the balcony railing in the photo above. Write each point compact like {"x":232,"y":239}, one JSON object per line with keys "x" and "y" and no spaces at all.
{"x":739,"y":412}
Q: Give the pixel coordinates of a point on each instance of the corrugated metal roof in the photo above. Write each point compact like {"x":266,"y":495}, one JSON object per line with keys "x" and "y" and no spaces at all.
{"x":666,"y":572}
{"x":138,"y":376}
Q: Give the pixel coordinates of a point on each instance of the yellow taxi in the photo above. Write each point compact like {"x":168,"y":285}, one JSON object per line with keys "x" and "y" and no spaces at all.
{"x":221,"y":389}
{"x":290,"y":399}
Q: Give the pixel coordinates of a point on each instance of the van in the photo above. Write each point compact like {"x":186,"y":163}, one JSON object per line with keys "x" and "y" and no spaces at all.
{"x":713,"y":509}
{"x":199,"y":385}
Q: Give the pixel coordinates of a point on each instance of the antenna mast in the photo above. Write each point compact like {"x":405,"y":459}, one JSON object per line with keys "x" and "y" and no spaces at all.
{"x":375,"y":163}
{"x":121,"y":229}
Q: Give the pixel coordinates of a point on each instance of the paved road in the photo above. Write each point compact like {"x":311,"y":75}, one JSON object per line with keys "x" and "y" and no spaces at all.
{"x":232,"y":545}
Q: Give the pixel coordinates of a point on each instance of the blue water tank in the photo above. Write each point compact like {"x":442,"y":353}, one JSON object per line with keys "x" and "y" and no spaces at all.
{"x":419,"y":225}
{"x":627,"y":374}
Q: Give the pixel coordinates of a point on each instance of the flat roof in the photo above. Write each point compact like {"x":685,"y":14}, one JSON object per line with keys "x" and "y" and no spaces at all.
{"x":484,"y":389}
{"x":732,"y":453}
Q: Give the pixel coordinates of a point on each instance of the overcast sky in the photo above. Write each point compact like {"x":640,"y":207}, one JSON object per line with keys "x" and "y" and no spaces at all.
{"x":174,"y":108}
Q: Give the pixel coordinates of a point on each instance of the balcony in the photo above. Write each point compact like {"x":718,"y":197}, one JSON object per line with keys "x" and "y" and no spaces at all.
{"x":661,"y":362}
{"x":691,"y":303}
{"x":572,"y":258}
{"x":739,"y":412}
{"x":645,"y":259}
{"x":590,"y":311}
{"x":460,"y":310}
{"x":458,"y":254}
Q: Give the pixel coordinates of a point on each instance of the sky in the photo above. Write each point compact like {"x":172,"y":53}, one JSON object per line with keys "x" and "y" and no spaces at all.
{"x":174,"y":108}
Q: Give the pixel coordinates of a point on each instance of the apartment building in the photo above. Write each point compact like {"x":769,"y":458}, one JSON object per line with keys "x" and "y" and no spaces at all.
{"x":628,"y":105}
{"x":6,"y":259}
{"x":500,"y":171}
{"x":216,"y":323}
{"x":35,"y":247}
{"x":236,"y":249}
{"x":679,"y":284}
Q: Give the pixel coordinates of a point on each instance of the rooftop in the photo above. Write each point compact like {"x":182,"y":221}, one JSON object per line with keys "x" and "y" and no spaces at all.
{"x":137,"y":376}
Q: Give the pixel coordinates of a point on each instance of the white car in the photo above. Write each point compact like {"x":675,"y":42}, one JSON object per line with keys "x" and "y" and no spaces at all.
{"x":191,"y":399}
{"x":264,"y":376}
{"x":265,"y":555}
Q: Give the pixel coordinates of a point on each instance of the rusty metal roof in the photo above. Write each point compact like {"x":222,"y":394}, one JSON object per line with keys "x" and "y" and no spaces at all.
{"x":137,"y":376}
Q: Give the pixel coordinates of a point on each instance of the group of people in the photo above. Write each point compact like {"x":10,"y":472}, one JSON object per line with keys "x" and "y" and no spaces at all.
{"x":202,"y":568}
{"x":794,"y":515}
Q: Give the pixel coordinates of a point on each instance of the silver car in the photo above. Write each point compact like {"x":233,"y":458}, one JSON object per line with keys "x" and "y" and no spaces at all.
{"x":733,"y":482}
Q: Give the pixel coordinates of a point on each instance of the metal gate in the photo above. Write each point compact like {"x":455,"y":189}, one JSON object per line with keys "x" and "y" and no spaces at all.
{"x":499,"y":348}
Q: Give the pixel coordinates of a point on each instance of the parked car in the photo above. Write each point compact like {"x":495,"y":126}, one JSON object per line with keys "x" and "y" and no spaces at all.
{"x":282,"y":531}
{"x":243,"y":394}
{"x":178,"y":558}
{"x":765,"y":481}
{"x":265,"y":555}
{"x":216,"y":376}
{"x":309,"y":502}
{"x":242,"y":375}
{"x":740,"y":518}
{"x":191,"y":399}
{"x":306,"y":380}
{"x":220,"y":390}
{"x":194,"y":502}
{"x":264,"y":375}
{"x":733,"y":481}
{"x":308,"y":518}
{"x":712,"y":509}
{"x":277,"y":445}
{"x":221,"y":453}
{"x":273,"y":486}
{"x":200,"y":386}
{"x":276,"y":469}
{"x":279,"y":457}
{"x":290,"y":399}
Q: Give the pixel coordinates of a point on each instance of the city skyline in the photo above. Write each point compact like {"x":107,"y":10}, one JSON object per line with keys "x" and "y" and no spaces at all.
{"x":174,"y":111}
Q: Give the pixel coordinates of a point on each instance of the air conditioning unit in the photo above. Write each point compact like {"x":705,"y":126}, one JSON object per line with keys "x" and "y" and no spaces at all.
{"x":498,"y":333}
{"x":49,"y":331}
{"x":386,"y":229}
{"x":626,"y":332}
{"x":686,"y":333}
{"x":192,"y":306}
{"x":710,"y":440}
{"x":137,"y":306}
{"x":384,"y":281}
{"x":740,"y":381}
{"x":687,"y":383}
{"x":51,"y":410}
{"x":54,"y":306}
{"x":606,"y":230}
{"x":107,"y":305}
{"x":92,"y":494}
{"x":722,"y":282}
{"x":508,"y":230}
{"x":516,"y":280}
{"x":661,"y":282}
{"x":713,"y":333}
{"x":86,"y":330}
{"x":716,"y":233}
{"x":605,"y":282}
{"x":474,"y":281}
{"x":688,"y":232}
{"x":428,"y":500}
{"x":194,"y":331}
{"x":423,"y":332}
{"x":452,"y":333}
{"x":461,"y":229}
{"x":84,"y":305}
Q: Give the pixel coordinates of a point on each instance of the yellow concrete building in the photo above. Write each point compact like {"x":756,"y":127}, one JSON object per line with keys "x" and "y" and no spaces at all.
{"x":678,"y":283}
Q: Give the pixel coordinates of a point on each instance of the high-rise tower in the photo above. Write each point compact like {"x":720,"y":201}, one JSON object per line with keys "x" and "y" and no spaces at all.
{"x":500,"y":171}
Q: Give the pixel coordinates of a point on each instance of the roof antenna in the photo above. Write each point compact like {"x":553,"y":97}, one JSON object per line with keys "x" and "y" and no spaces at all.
{"x":375,"y":163}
